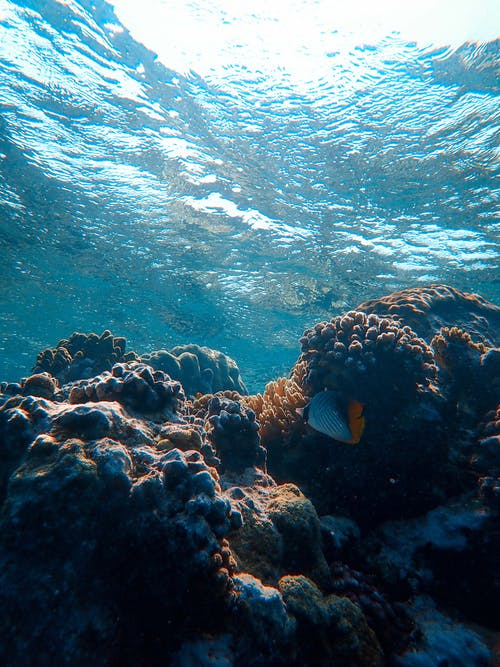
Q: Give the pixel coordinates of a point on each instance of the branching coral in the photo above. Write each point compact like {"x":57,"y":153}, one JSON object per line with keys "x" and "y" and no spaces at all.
{"x":277,"y":407}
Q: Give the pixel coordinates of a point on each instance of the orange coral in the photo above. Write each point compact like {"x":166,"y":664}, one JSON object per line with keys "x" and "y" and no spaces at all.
{"x":454,"y":347}
{"x":276,"y":409}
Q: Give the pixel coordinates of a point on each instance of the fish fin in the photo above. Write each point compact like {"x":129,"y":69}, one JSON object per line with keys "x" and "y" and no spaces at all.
{"x":303,"y":412}
{"x":357,"y":421}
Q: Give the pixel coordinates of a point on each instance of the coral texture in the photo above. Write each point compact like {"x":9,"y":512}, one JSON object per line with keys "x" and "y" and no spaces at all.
{"x":485,"y":459}
{"x":233,"y":432}
{"x":331,"y":630}
{"x":468,"y":370}
{"x":280,"y":532}
{"x":83,"y":355}
{"x":427,"y":309}
{"x":85,"y":513}
{"x":392,"y":625}
{"x":199,"y":369}
{"x":276,"y":409}
{"x":367,"y":358}
{"x":139,"y":388}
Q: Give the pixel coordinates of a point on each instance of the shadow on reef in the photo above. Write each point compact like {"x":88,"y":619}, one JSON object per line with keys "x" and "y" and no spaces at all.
{"x":153,"y":513}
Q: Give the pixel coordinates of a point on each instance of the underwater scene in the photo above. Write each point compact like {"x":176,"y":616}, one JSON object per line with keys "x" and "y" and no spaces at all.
{"x":249,"y":334}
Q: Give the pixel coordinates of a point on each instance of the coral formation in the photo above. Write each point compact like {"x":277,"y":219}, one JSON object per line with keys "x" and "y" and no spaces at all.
{"x":468,"y":371}
{"x":139,"y":388}
{"x":280,"y":532}
{"x":366,"y":358}
{"x":391,"y":623}
{"x":120,"y":510}
{"x":485,"y":459}
{"x":331,"y":630}
{"x":403,"y":451}
{"x":199,"y":369}
{"x":83,"y":355}
{"x":277,"y":407}
{"x":140,"y":527}
{"x":233,"y":432}
{"x":427,"y":309}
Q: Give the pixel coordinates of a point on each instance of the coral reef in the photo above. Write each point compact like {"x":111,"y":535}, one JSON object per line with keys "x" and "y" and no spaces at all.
{"x":331,"y":630}
{"x":468,"y":371}
{"x":404,"y":450}
{"x":233,"y":432}
{"x":113,"y":510}
{"x":139,"y":388}
{"x":199,"y":369}
{"x":366,"y":358}
{"x":83,"y":355}
{"x":427,"y":309}
{"x":142,"y":523}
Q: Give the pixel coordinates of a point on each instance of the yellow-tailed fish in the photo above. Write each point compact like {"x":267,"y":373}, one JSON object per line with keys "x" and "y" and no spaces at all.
{"x":326,"y":413}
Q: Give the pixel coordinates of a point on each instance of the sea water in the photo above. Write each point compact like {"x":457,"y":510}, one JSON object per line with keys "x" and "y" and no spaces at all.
{"x":233,"y":205}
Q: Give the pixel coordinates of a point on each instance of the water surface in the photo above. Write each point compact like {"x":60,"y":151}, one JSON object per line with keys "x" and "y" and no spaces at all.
{"x":232,"y":209}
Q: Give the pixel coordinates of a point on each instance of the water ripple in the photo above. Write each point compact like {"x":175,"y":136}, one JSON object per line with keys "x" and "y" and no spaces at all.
{"x":234,"y":208}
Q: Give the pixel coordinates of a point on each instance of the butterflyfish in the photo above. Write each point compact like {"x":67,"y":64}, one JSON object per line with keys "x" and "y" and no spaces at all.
{"x":327,"y":414}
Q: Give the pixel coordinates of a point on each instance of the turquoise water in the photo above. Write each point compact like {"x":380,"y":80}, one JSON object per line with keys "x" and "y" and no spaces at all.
{"x":234,"y":210}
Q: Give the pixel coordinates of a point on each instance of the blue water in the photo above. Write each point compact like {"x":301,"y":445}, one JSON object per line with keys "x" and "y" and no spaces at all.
{"x":231,"y":211}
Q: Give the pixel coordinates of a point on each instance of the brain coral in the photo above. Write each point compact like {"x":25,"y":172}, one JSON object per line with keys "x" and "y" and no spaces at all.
{"x":427,"y":309}
{"x":83,"y":355}
{"x":199,"y":369}
{"x":367,"y":358}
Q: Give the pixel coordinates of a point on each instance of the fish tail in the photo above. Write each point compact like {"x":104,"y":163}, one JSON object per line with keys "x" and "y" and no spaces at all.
{"x":356,"y":420}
